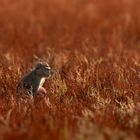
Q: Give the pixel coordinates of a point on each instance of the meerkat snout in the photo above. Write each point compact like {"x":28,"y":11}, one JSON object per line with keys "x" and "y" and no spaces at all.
{"x":33,"y":81}
{"x":43,"y":70}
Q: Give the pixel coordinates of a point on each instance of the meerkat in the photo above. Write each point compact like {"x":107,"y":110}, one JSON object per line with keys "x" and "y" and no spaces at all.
{"x":33,"y":81}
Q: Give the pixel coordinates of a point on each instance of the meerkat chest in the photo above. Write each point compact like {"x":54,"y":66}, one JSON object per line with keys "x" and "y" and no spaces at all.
{"x":41,"y":82}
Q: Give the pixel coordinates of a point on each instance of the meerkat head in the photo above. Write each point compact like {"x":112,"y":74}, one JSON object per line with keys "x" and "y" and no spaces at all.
{"x":43,"y":69}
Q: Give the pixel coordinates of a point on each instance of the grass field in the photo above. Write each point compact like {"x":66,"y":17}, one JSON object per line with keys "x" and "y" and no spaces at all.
{"x":94,"y":46}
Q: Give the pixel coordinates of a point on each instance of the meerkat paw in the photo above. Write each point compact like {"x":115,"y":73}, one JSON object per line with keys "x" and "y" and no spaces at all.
{"x":41,"y":91}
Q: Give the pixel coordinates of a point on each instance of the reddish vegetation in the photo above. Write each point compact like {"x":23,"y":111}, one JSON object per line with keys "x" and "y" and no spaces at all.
{"x":94,"y":46}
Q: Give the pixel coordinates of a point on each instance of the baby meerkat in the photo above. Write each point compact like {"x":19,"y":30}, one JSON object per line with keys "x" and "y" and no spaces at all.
{"x":33,"y":81}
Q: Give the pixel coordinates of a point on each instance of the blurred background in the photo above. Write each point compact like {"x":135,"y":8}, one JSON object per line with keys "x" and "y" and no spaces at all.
{"x":94,"y":45}
{"x":65,"y":24}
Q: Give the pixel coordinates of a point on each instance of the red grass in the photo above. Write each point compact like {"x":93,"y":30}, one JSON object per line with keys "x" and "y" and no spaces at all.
{"x":94,"y":47}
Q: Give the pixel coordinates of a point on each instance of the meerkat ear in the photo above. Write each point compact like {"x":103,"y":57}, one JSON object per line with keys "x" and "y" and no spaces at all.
{"x":38,"y":66}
